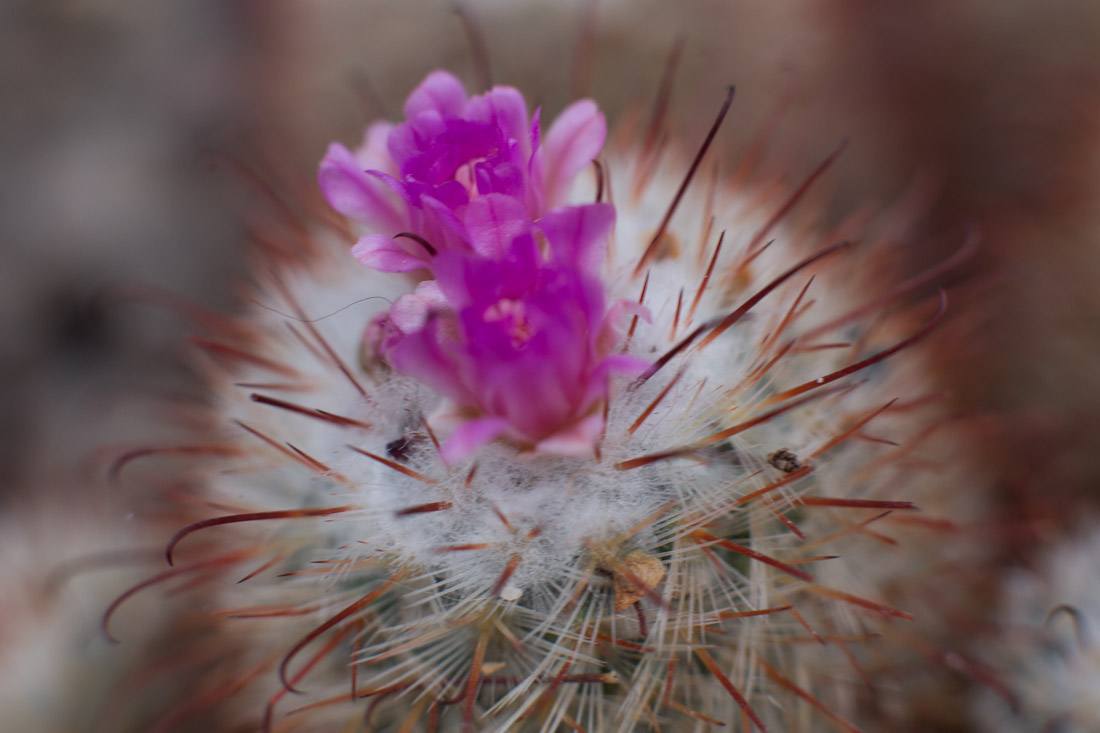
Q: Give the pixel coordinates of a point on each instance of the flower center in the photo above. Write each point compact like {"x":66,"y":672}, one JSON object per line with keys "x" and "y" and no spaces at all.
{"x":516,"y":313}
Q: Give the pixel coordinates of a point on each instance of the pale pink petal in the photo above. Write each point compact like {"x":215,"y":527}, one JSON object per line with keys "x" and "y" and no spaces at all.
{"x":574,"y":140}
{"x":410,"y":312}
{"x":630,"y":366}
{"x":470,"y":436}
{"x":390,"y":182}
{"x":353,"y":193}
{"x":578,"y":440}
{"x":430,"y":293}
{"x":611,"y":329}
{"x":622,"y":308}
{"x":382,"y":253}
{"x":440,"y":92}
{"x":374,"y":152}
{"x":493,"y":221}
{"x":402,"y":142}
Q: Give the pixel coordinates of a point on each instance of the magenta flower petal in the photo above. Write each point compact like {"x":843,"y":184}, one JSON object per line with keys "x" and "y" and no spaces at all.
{"x":467,"y":281}
{"x":403,"y":143}
{"x":443,"y":149}
{"x":574,"y":141}
{"x":440,"y":92}
{"x":493,"y":221}
{"x":355,"y":194}
{"x":426,"y":355}
{"x":578,"y":235}
{"x":536,"y":122}
{"x":504,"y":108}
{"x":441,"y":226}
{"x":382,"y":253}
{"x":471,"y":435}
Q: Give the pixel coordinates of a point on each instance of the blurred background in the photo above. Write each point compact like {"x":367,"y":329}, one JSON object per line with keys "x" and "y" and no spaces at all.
{"x":121,"y":120}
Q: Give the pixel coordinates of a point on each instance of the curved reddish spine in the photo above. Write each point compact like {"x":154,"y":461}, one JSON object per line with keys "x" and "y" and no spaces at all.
{"x":248,"y":517}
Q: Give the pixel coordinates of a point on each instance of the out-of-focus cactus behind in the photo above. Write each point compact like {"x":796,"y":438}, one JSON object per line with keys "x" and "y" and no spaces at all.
{"x":109,"y":110}
{"x":1049,"y":615}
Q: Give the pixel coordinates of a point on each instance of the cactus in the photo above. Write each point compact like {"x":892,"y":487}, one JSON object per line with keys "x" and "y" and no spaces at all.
{"x":591,"y":463}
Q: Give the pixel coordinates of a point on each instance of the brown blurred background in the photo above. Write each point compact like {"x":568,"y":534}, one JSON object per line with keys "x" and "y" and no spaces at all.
{"x":113,"y":111}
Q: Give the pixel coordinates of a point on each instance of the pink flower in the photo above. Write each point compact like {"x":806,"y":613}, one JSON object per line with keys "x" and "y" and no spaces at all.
{"x":522,"y":346}
{"x":460,"y":173}
{"x":514,"y":329}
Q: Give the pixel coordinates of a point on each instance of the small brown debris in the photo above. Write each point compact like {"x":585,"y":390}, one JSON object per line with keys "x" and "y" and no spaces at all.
{"x":785,"y":460}
{"x":641,"y":567}
{"x":401,"y":448}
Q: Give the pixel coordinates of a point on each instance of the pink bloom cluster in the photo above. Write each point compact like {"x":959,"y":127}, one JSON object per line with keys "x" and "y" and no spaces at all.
{"x":513,"y":326}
